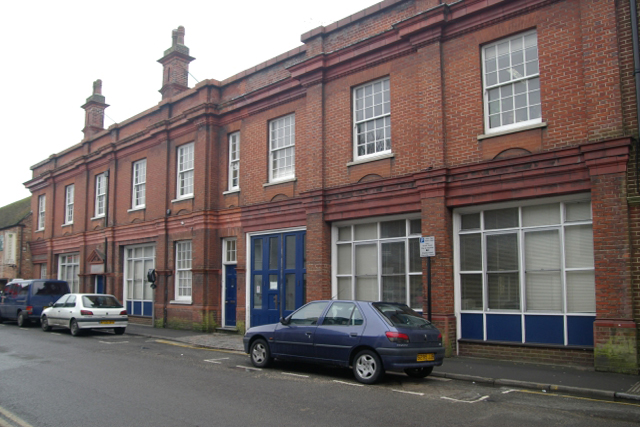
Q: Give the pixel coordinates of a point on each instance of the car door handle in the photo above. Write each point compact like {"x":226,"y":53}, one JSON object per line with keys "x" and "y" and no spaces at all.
{"x":309,"y":333}
{"x":353,"y":334}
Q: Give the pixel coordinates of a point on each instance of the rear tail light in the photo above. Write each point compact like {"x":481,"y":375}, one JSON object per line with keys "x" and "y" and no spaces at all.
{"x":397,"y":337}
{"x":123,"y":313}
{"x":29,"y":309}
{"x":86,"y":312}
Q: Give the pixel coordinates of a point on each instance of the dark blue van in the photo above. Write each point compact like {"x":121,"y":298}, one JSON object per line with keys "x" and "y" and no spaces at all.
{"x":24,"y":300}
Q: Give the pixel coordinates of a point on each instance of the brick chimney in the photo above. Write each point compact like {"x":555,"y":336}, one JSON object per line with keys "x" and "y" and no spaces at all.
{"x":176,"y":59}
{"x":94,"y":111}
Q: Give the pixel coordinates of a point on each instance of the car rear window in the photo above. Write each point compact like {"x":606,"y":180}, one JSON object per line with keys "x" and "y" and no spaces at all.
{"x":401,"y":315}
{"x":100,"y":301}
{"x":49,"y":288}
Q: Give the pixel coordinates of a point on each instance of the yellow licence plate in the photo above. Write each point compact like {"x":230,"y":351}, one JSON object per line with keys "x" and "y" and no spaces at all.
{"x":428,"y":357}
{"x":111,"y":322}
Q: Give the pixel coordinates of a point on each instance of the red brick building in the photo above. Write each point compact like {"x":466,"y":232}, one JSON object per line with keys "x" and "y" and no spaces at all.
{"x":502,"y":128}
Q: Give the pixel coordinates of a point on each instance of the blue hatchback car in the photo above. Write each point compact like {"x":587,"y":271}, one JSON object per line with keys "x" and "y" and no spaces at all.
{"x":371,"y":337}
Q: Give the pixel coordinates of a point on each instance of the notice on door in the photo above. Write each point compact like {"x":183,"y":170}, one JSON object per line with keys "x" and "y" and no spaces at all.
{"x":427,"y":246}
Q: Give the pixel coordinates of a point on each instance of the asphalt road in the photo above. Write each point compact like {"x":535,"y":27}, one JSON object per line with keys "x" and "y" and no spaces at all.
{"x":100,"y":379}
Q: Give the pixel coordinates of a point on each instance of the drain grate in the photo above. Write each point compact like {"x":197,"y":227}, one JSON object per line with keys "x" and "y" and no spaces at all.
{"x":635,"y":389}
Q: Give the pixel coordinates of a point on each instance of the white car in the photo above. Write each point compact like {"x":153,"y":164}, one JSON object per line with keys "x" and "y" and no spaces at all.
{"x":85,"y":311}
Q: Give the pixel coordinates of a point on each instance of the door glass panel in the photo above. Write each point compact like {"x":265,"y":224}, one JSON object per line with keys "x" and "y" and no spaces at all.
{"x":339,"y":314}
{"x":273,"y":253}
{"x":257,"y":255}
{"x":273,"y":282}
{"x":290,"y":250}
{"x":304,"y":251}
{"x":309,"y":314}
{"x":257,"y":291}
{"x":367,"y":288}
{"x":290,"y":292}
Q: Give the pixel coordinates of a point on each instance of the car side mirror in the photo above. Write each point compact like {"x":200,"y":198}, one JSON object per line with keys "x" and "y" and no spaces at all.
{"x":284,"y":321}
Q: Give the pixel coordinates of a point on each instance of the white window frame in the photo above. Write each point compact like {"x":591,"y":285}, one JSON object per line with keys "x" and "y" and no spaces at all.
{"x":68,"y":270}
{"x":185,"y":165}
{"x":282,"y":146}
{"x":184,"y":277}
{"x":378,"y":242}
{"x":230,"y":251}
{"x":101,"y":195}
{"x":521,"y":231}
{"x":68,"y":205}
{"x":139,"y":180}
{"x":130,"y":277}
{"x":372,"y":119}
{"x":43,"y":270}
{"x":41,"y":211}
{"x":234,"y":161}
{"x":494,"y":89}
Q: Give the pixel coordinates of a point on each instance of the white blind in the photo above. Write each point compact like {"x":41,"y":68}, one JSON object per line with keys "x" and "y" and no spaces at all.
{"x":581,"y":292}
{"x":579,"y":246}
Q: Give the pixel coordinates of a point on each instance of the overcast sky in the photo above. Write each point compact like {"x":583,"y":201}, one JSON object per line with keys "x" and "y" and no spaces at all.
{"x":53,"y":51}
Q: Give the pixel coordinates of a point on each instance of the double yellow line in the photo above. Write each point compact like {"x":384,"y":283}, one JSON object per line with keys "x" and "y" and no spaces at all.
{"x":9,"y":419}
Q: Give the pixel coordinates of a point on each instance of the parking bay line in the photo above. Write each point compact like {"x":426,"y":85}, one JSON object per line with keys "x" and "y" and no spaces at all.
{"x":465,"y":401}
{"x":216,"y":361}
{"x":14,"y":418}
{"x":248,"y":368}
{"x":348,"y":383}
{"x":295,"y":375}
{"x":114,"y":342}
{"x":415,"y":393}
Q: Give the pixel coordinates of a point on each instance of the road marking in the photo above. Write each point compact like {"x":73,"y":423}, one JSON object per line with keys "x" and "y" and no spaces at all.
{"x":509,"y":391}
{"x":13,"y":418}
{"x":56,"y":333}
{"x":197,"y":348}
{"x":216,"y":360}
{"x":25,"y":329}
{"x":576,"y":397}
{"x":295,"y":375}
{"x":439,"y":379}
{"x":248,"y":368}
{"x":347,"y":383}
{"x":114,"y":342}
{"x":408,"y":392}
{"x":465,"y":401}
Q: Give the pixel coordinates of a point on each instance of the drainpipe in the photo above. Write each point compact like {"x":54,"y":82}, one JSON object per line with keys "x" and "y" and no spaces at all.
{"x":106,"y":225}
{"x":636,"y":73}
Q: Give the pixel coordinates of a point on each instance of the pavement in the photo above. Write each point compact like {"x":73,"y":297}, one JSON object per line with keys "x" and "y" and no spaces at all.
{"x":547,"y":378}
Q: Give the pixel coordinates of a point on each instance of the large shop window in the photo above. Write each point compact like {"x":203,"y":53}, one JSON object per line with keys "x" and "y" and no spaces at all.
{"x":138,"y":293}
{"x":68,"y":269}
{"x":379,"y":261}
{"x":526,"y":274}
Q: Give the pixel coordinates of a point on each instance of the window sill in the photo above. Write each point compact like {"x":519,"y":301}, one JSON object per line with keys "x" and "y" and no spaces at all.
{"x":231,"y":192}
{"x":68,"y":224}
{"x":371,"y":159}
{"x":181,"y":302}
{"x":97,"y":217}
{"x":139,"y":208}
{"x":181,"y":199}
{"x":39,"y":230}
{"x":284,"y":181}
{"x":514,"y":130}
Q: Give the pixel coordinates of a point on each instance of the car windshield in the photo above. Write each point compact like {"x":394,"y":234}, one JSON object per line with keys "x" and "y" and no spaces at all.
{"x":100,"y":301}
{"x":401,"y":315}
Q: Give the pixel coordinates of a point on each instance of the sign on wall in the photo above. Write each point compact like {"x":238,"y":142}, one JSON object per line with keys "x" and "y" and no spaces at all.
{"x":427,"y":246}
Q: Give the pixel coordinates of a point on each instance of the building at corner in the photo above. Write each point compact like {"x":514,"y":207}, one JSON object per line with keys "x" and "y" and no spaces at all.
{"x":503,"y":129}
{"x":15,"y":232}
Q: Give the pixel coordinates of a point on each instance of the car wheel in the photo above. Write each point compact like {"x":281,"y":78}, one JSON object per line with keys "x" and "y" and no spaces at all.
{"x":23,"y":320}
{"x":44,"y":324}
{"x":119,"y":331}
{"x":367,"y":367}
{"x":260,"y":354}
{"x":419,"y":372}
{"x":74,"y":328}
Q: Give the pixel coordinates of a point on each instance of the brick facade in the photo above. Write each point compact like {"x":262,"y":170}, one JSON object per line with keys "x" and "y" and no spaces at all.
{"x":443,"y":160}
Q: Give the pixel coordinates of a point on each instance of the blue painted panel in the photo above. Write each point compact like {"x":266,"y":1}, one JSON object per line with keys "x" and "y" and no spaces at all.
{"x":129,"y":307}
{"x":147,"y":308}
{"x":472,"y":326}
{"x":137,"y":308}
{"x":580,"y":330}
{"x":544,"y":329}
{"x":504,"y":327}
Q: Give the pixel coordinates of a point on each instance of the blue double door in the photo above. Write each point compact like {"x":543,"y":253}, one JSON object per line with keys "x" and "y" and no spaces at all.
{"x":278,"y":276}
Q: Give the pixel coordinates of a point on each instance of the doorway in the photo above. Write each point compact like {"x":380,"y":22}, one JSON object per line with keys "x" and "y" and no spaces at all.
{"x":278,"y":275}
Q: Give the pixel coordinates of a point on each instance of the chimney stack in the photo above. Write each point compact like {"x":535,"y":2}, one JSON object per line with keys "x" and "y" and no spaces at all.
{"x":176,"y":59}
{"x":94,"y":111}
